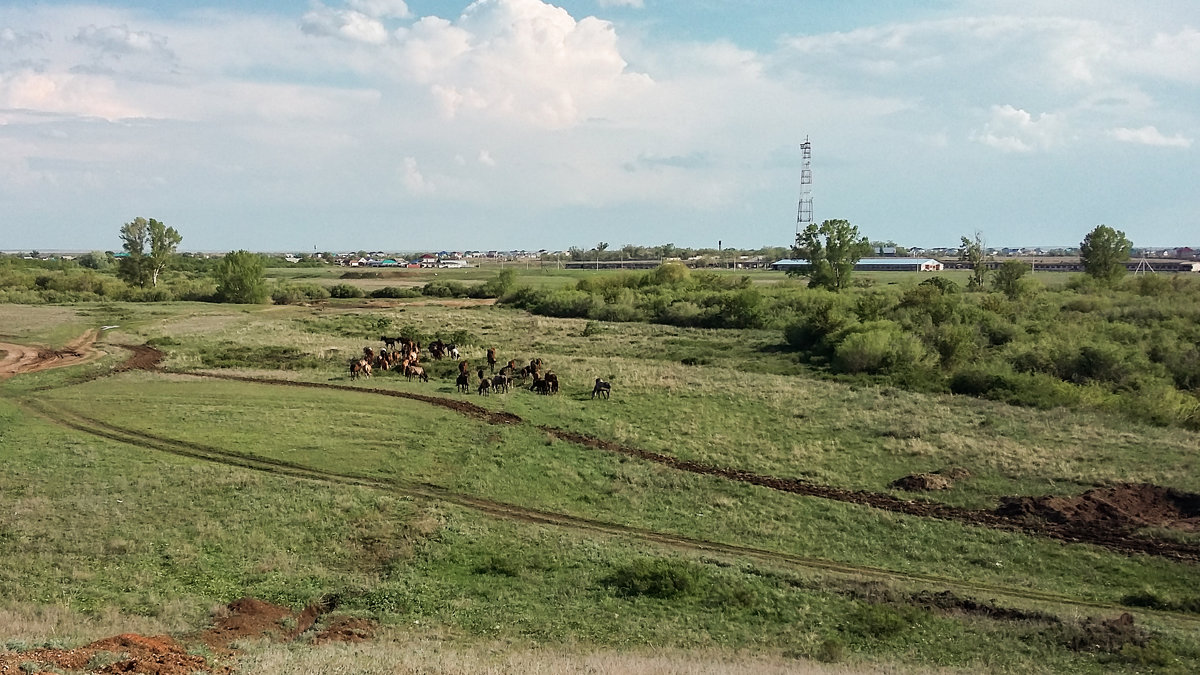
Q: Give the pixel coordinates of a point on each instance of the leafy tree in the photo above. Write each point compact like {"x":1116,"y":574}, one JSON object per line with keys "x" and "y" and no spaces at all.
{"x":1103,"y":253}
{"x":831,"y":249}
{"x":96,"y":260}
{"x":972,"y":252}
{"x":142,"y":267}
{"x":1008,"y":278}
{"x":241,"y":278}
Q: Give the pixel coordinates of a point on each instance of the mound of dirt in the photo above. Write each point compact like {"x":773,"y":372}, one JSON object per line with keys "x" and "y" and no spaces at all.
{"x":144,"y":357}
{"x":1123,"y":507}
{"x":346,"y":629}
{"x":127,"y":653}
{"x":922,"y":482}
{"x":253,"y":619}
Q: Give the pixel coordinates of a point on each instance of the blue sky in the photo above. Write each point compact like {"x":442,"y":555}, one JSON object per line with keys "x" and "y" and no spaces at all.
{"x":382,"y":124}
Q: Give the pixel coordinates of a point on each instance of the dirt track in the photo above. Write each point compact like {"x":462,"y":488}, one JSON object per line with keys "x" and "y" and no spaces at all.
{"x":19,"y":359}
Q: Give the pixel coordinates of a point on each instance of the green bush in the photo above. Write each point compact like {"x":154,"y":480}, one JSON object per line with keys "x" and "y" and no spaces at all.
{"x":346,"y":291}
{"x":1000,"y":383}
{"x":395,"y":292}
{"x":654,"y":577}
{"x":294,"y":294}
{"x":445,"y":289}
{"x":880,"y":347}
{"x":880,"y":622}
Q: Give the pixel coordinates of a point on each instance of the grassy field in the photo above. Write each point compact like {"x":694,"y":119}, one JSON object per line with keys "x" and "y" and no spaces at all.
{"x":141,"y":500}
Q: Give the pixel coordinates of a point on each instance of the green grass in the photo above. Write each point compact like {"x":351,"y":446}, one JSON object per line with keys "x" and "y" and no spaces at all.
{"x":409,"y":442}
{"x":95,"y":526}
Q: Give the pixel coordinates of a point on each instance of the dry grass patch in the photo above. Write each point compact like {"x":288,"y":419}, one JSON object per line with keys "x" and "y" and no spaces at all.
{"x":402,"y":653}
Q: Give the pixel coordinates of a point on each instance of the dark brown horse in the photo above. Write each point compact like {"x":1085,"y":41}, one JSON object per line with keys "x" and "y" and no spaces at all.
{"x":602,"y":389}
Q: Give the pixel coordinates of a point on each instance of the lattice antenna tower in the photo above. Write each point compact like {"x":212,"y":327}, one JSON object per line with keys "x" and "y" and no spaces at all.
{"x":804,"y":212}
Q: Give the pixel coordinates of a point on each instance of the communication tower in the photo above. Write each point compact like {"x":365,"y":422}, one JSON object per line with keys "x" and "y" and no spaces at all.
{"x":804,"y":212}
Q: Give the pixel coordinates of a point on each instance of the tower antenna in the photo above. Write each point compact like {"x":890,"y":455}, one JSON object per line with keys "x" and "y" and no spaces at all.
{"x":804,"y":211}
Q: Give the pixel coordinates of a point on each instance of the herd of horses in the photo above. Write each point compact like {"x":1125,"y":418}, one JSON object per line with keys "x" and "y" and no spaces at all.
{"x":403,"y":355}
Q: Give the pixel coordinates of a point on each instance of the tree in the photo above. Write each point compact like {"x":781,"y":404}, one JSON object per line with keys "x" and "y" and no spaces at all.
{"x":96,"y":260}
{"x":241,"y":278}
{"x":831,"y":249}
{"x":1008,"y":278}
{"x":142,"y":267}
{"x":972,"y":252}
{"x":1103,"y":253}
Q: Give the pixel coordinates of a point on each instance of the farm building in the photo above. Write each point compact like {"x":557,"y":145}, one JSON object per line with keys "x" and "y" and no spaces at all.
{"x":875,"y":265}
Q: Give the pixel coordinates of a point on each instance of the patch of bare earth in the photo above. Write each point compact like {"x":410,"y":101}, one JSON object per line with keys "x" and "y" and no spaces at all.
{"x":19,"y":359}
{"x":243,"y":619}
{"x":127,"y":653}
{"x":1124,"y":508}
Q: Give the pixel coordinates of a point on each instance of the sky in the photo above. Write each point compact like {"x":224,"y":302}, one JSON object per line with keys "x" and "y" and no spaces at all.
{"x":337,"y":125}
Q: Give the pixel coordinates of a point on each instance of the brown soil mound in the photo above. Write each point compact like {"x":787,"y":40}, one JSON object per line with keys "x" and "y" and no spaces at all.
{"x":346,"y":629}
{"x":121,"y":654}
{"x":253,"y":619}
{"x":144,"y":357}
{"x":922,"y":482}
{"x":1123,"y":507}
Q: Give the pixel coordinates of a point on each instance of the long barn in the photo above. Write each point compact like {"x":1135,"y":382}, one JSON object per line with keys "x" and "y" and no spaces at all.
{"x":874,"y":265}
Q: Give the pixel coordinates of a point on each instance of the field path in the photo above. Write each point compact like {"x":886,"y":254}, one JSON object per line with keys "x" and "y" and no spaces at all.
{"x":19,"y":359}
{"x":82,"y":423}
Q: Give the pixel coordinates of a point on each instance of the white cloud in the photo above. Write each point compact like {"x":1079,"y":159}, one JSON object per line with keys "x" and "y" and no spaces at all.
{"x":485,"y":158}
{"x":1014,"y":130}
{"x":381,"y":9}
{"x":1150,"y":136}
{"x":521,"y":60}
{"x":64,"y":94}
{"x":414,"y":181}
{"x":347,"y":24}
{"x":636,"y":4}
{"x":13,"y":39}
{"x":119,"y":40}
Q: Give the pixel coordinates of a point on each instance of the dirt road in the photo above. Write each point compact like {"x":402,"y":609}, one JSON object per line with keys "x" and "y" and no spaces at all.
{"x":17,"y":359}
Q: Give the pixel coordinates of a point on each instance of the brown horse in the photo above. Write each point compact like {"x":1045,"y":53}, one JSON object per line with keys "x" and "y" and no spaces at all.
{"x":491,"y":358}
{"x":360,"y":368}
{"x":501,"y":383}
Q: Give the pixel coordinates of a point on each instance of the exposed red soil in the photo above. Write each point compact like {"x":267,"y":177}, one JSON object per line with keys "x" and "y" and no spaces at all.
{"x":253,"y":619}
{"x":127,"y":653}
{"x":244,"y":619}
{"x":144,"y":357}
{"x":19,"y":359}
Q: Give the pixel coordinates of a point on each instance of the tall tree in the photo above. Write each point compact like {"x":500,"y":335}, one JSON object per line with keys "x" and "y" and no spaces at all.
{"x":972,"y":251}
{"x":1007,"y":279}
{"x":1103,"y":253}
{"x":831,"y":249}
{"x":241,"y":278}
{"x":149,"y":245}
